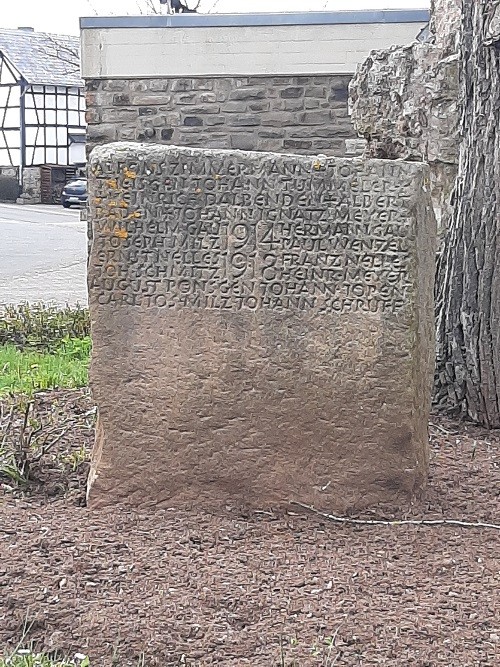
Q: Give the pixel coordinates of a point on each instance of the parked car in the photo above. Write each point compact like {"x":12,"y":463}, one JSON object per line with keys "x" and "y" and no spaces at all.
{"x":74,"y":192}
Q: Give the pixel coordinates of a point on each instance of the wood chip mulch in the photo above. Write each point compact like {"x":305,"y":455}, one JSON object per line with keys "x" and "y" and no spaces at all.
{"x":261,"y":589}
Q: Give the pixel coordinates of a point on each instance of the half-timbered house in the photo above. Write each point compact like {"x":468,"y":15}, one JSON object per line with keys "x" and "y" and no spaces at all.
{"x":42,"y":111}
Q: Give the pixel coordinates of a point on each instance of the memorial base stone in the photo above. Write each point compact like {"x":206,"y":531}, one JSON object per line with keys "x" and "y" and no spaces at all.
{"x":262,"y":328}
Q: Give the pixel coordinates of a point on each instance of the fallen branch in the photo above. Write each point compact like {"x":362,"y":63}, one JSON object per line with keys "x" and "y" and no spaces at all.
{"x":397,"y":522}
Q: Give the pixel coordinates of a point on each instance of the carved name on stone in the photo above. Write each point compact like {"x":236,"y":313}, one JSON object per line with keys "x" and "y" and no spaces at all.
{"x":281,"y":289}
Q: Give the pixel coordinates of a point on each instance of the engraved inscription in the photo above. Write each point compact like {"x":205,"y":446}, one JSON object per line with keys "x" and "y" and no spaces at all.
{"x":183,"y":229}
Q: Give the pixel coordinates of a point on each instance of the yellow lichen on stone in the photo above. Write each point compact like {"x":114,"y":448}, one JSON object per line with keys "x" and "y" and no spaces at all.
{"x":111,"y":183}
{"x":121,"y":233}
{"x":317,"y":165}
{"x":129,"y":173}
{"x":131,"y":216}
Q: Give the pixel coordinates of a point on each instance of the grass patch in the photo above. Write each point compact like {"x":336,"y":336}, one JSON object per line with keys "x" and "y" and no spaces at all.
{"x":29,"y":658}
{"x":26,"y":371}
{"x":43,"y":347}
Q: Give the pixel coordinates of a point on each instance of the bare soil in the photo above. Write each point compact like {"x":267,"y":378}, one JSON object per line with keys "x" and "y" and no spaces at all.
{"x":188,"y":588}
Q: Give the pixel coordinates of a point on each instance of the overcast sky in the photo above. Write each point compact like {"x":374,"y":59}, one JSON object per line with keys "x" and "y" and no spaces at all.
{"x":61,"y":16}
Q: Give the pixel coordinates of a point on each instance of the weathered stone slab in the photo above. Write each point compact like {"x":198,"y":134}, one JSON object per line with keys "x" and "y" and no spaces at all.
{"x":262,"y":326}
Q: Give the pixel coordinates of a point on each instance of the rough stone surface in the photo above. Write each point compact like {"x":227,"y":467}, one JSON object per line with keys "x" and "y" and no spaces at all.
{"x":32,"y":186}
{"x":215,"y":112}
{"x":404,"y":103}
{"x":262,"y":328}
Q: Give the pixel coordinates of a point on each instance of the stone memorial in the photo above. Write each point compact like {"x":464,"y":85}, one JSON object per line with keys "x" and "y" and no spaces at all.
{"x":262,"y":328}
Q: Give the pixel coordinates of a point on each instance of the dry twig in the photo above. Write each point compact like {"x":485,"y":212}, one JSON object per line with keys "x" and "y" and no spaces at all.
{"x":397,"y":522}
{"x":443,"y":430}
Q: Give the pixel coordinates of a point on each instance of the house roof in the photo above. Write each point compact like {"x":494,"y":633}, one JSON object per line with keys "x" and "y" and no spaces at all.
{"x":42,"y":58}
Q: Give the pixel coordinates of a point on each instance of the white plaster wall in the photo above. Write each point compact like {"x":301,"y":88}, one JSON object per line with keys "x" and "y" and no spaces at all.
{"x":236,"y":50}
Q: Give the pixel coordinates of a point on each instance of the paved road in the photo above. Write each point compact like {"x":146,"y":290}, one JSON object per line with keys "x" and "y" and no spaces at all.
{"x":42,"y":255}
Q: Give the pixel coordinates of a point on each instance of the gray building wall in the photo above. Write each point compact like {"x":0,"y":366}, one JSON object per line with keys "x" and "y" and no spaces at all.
{"x":297,"y":114}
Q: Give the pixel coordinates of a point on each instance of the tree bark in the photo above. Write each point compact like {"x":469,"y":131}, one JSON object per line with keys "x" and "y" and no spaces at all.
{"x":468,"y":274}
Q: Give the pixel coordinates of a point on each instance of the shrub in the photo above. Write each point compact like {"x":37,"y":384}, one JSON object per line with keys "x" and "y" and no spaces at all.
{"x":42,"y":328}
{"x":28,"y":435}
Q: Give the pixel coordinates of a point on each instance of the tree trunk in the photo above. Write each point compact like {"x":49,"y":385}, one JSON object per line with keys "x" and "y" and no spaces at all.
{"x":468,"y":274}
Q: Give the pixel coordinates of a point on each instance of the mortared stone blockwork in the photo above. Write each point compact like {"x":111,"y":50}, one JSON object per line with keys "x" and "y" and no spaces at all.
{"x":262,"y":328}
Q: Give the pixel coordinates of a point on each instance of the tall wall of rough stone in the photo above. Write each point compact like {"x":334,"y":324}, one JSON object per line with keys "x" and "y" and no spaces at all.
{"x":299,"y":114}
{"x":404,"y":102}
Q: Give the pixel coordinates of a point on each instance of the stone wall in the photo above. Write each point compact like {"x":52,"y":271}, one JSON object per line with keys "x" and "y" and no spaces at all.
{"x":304,"y":114}
{"x":404,"y":102}
{"x":10,"y":190}
{"x":32,"y":186}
